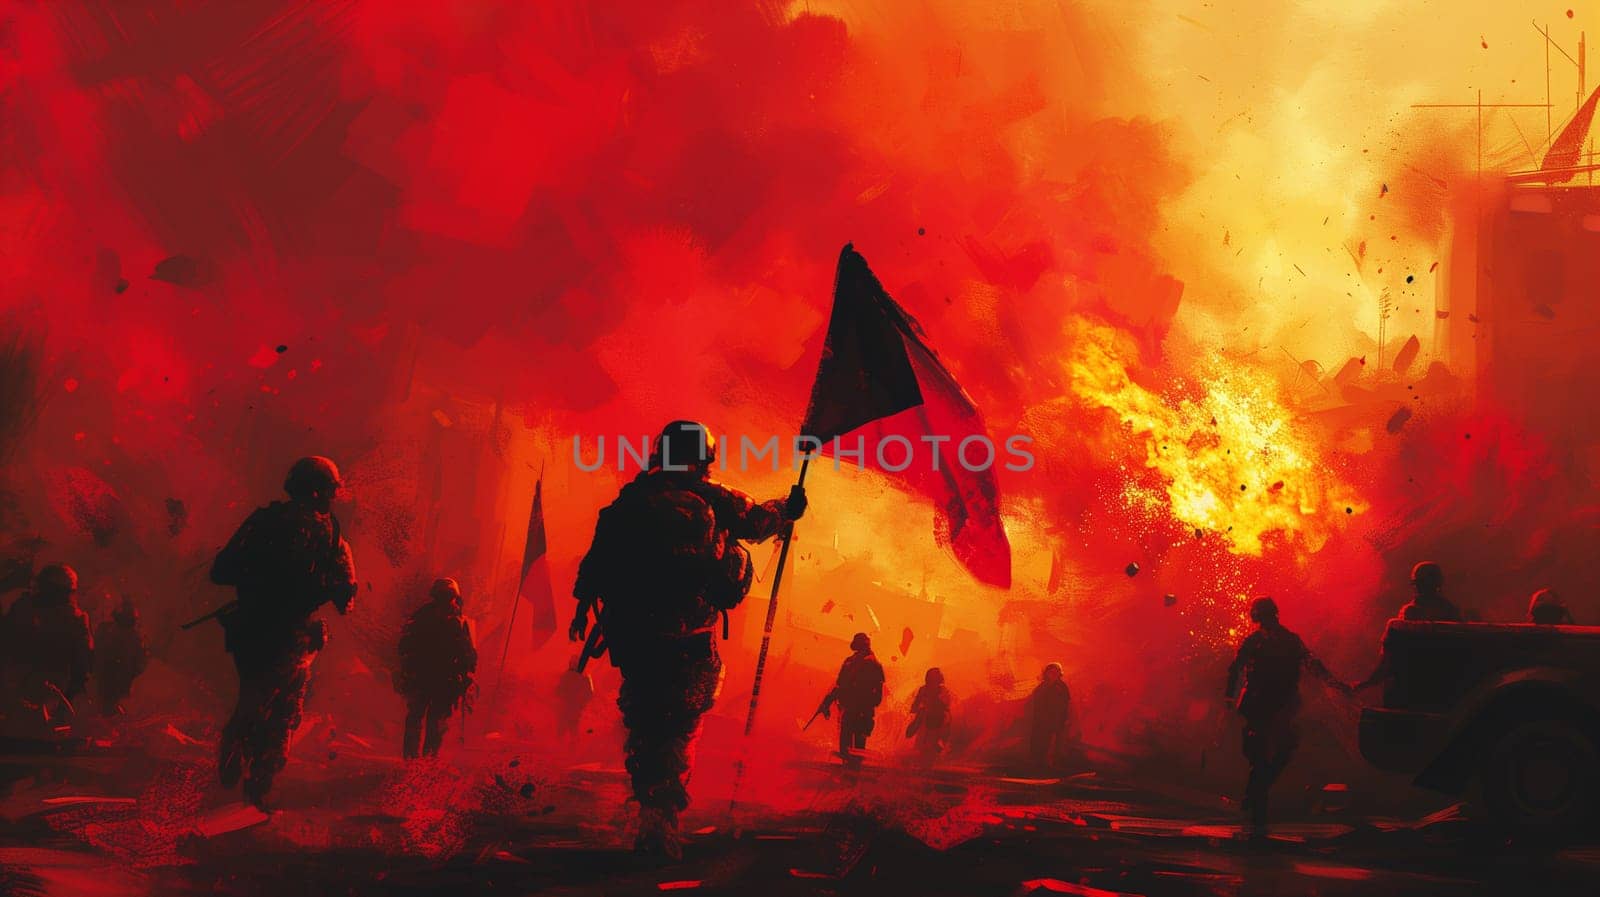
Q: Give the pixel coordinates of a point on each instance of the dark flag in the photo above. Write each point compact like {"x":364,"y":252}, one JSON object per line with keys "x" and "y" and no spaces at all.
{"x":535,"y":587}
{"x":878,"y":380}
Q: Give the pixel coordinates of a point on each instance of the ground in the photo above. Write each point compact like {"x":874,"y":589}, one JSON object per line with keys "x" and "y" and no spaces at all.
{"x":495,"y":819}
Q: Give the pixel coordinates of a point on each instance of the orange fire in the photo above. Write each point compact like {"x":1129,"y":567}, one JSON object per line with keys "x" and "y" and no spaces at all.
{"x":1231,"y":462}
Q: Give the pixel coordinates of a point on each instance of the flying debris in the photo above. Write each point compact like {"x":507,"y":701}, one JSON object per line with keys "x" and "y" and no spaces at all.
{"x":1398,"y":419}
{"x":1132,"y":569}
{"x":1407,"y":354}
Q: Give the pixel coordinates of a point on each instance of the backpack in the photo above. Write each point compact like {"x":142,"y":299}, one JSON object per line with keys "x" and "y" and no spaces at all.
{"x":669,"y":535}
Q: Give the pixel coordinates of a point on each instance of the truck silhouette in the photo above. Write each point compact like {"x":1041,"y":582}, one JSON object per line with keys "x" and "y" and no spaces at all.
{"x":1511,"y":709}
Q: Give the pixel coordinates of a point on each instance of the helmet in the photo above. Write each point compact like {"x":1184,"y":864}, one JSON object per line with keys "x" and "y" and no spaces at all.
{"x":445,"y":588}
{"x":934,"y":677}
{"x":56,"y":579}
{"x":860,"y":642}
{"x":1052,"y":672}
{"x":1427,"y":576}
{"x":313,"y":476}
{"x":684,"y":444}
{"x":1263,"y":609}
{"x":1547,"y":607}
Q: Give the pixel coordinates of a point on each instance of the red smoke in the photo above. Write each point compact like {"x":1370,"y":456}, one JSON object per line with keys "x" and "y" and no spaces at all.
{"x":335,"y":221}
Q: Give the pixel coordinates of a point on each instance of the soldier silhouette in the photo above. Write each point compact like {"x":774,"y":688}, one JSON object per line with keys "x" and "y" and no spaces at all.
{"x":1428,"y":604}
{"x":858,"y":691}
{"x":1268,"y":666}
{"x":1049,"y":709}
{"x":1547,"y":608}
{"x":574,"y":691}
{"x":120,"y":657}
{"x":437,"y":664}
{"x":930,"y":715}
{"x":1428,"y":601}
{"x":286,"y":560}
{"x":664,"y":565}
{"x":48,"y":646}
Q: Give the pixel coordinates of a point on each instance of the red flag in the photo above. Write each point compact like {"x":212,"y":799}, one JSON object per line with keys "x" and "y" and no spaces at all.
{"x":535,"y":587}
{"x":1566,"y":151}
{"x":880,"y":385}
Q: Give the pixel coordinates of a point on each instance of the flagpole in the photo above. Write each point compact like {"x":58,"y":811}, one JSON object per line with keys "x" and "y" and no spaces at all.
{"x":766,"y":643}
{"x":511,"y":627}
{"x":772,"y":611}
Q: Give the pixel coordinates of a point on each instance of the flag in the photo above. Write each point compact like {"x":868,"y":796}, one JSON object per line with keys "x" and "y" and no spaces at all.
{"x":534,"y":586}
{"x":1566,"y":151}
{"x":879,"y":380}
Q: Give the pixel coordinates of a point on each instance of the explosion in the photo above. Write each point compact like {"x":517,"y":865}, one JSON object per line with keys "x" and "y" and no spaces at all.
{"x":1230,"y":461}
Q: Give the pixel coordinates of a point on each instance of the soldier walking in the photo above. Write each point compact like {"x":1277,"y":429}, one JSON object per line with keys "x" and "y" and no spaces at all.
{"x":930,"y":715}
{"x":1268,"y":665}
{"x":120,"y":657}
{"x":437,"y":664}
{"x":665,"y":564}
{"x":1049,"y":710}
{"x":286,"y":560}
{"x":858,"y":691}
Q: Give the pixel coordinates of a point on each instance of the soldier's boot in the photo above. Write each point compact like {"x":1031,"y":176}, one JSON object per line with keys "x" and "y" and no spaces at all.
{"x":658,"y":834}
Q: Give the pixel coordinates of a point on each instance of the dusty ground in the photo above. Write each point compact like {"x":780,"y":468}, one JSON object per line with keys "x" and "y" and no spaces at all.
{"x":496,"y":820}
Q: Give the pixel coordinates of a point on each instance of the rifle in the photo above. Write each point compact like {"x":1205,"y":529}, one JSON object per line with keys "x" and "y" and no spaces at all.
{"x":822,"y":709}
{"x":593,"y":646}
{"x":224,"y":610}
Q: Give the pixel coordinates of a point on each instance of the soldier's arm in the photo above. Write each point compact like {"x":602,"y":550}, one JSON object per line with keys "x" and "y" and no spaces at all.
{"x":1236,"y":669}
{"x":341,"y":581}
{"x":598,"y":565}
{"x":1315,"y":667}
{"x":232,"y":564}
{"x":597,"y":561}
{"x":1379,"y":675}
{"x":746,"y":520}
{"x":832,"y":697}
{"x":469,"y":652}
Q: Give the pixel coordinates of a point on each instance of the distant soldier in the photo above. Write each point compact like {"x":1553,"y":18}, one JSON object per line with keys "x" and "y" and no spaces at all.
{"x":120,"y":656}
{"x":1049,"y":710}
{"x":858,"y":692}
{"x":437,"y":664}
{"x":930,"y":715}
{"x":1429,"y":603}
{"x":285,"y":562}
{"x":1548,"y":609}
{"x":48,"y":646}
{"x":573,"y":693}
{"x":1268,"y":665}
{"x":665,"y":564}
